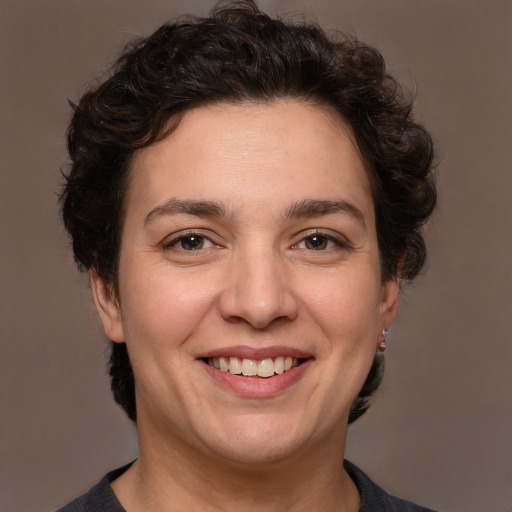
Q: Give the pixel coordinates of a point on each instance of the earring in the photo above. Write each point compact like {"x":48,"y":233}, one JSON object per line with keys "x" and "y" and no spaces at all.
{"x":383,"y":338}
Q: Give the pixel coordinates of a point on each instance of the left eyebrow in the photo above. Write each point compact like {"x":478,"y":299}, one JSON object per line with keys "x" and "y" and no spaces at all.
{"x":174,"y":206}
{"x":317,"y":207}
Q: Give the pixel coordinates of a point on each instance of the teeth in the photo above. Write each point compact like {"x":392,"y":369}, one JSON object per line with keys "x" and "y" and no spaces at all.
{"x":223,"y":364}
{"x":266,"y":368}
{"x":279,"y":365}
{"x":251,"y":368}
{"x":235,"y":365}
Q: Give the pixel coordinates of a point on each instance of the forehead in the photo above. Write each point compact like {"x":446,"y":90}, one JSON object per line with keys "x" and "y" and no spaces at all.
{"x":266,"y":152}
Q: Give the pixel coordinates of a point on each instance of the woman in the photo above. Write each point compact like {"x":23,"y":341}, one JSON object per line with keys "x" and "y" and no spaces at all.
{"x":247,"y":196}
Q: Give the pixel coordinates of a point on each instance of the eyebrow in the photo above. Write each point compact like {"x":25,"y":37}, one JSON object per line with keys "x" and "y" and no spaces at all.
{"x":316,"y":208}
{"x":300,"y":209}
{"x":200,"y":208}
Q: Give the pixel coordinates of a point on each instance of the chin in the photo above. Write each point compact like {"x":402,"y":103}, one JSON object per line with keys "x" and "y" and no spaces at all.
{"x":253,"y":440}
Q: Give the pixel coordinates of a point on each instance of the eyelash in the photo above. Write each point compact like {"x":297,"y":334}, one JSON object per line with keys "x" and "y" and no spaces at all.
{"x":184,"y":236}
{"x":325,"y":238}
{"x":338,"y":242}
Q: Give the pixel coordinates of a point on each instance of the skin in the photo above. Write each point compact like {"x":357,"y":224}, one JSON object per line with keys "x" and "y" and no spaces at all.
{"x":258,"y":278}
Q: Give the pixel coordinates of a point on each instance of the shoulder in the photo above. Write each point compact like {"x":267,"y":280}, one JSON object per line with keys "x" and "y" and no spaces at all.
{"x":376,"y":499}
{"x":101,"y":497}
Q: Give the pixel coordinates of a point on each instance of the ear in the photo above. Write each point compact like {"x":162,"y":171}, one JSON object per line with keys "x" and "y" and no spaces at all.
{"x":389,"y":302}
{"x":107,"y":307}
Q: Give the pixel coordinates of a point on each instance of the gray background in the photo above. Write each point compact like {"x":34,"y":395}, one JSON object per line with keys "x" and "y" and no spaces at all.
{"x":440,"y":430}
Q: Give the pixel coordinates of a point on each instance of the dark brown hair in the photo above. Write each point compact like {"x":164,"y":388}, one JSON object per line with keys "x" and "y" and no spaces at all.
{"x":239,"y":54}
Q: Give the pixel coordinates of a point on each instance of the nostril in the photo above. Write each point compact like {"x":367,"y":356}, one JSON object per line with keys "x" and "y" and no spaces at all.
{"x":257,"y":293}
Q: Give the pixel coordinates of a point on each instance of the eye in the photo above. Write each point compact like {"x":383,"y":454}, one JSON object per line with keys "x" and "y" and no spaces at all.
{"x":317,"y":242}
{"x":190,"y":242}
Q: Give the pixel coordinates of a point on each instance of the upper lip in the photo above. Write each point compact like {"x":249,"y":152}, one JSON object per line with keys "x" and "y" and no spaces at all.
{"x":256,"y":354}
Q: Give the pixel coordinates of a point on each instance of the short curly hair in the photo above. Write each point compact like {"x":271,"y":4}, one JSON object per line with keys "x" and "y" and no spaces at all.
{"x":239,"y":54}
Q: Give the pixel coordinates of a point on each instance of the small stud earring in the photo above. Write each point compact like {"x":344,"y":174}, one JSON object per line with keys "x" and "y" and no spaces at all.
{"x":383,"y":338}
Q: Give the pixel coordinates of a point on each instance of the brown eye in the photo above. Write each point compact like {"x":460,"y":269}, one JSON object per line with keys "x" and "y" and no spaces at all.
{"x":191,"y":242}
{"x":316,"y":242}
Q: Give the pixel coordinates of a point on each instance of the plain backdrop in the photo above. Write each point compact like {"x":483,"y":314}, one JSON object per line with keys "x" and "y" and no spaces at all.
{"x":440,"y":429}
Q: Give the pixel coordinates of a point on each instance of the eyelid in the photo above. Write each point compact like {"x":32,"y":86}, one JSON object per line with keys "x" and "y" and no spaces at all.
{"x":331,"y":235}
{"x":171,"y":240}
{"x":339,"y":239}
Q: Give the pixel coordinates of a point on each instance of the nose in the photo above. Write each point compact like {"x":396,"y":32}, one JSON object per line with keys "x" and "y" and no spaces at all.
{"x":258,"y":291}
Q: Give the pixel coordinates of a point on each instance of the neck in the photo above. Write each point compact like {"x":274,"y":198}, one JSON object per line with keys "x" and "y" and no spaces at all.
{"x":174,"y":476}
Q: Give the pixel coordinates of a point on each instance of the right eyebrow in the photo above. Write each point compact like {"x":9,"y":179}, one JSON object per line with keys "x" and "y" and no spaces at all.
{"x":173,"y":206}
{"x":319,"y":207}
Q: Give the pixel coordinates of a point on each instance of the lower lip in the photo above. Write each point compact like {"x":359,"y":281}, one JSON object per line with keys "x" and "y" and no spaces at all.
{"x":251,"y":387}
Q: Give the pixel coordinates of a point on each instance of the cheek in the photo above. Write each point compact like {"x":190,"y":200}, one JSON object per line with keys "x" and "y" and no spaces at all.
{"x":163,"y":308}
{"x":344,"y":304}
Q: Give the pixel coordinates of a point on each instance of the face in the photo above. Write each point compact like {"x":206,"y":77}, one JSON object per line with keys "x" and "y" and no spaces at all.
{"x":250,"y":295}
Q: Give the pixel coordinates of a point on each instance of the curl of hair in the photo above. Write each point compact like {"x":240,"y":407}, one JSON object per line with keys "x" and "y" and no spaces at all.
{"x":239,"y":54}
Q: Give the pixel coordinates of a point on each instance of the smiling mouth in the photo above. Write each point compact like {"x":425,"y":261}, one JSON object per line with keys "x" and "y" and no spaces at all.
{"x":264,"y":368}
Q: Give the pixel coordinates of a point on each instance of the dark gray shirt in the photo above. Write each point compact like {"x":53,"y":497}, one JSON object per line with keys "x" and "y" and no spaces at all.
{"x":101,"y":497}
